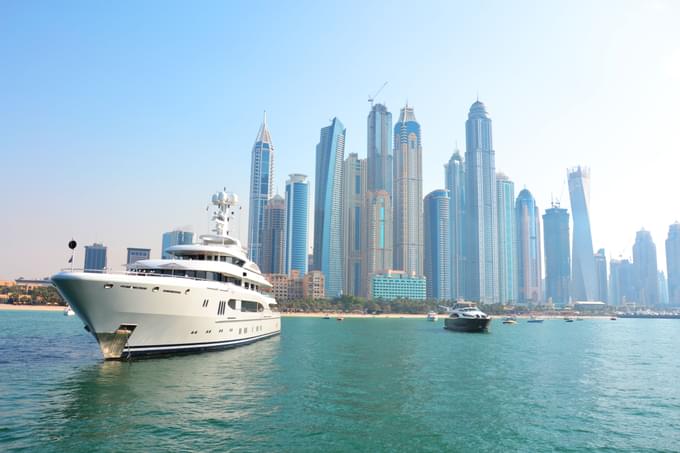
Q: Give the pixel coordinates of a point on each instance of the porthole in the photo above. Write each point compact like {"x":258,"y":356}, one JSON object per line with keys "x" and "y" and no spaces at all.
{"x":186,"y":292}
{"x":155,"y":289}
{"x":108,"y":286}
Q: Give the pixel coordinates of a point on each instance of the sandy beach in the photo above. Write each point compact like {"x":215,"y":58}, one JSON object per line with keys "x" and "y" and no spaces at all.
{"x":10,"y":307}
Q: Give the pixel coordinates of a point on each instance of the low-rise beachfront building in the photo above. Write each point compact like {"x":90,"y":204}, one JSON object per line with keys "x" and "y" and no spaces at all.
{"x":398,"y":285}
{"x":297,"y":287}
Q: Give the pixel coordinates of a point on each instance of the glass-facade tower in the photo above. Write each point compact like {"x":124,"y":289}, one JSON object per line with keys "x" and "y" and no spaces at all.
{"x":507,"y":243}
{"x":645,"y":267}
{"x":673,"y":264}
{"x":557,"y":255}
{"x":379,"y":151}
{"x":584,"y":279}
{"x":328,"y":237}
{"x":273,"y":236}
{"x":528,"y":248}
{"x":455,"y":184}
{"x":261,"y":188}
{"x":437,"y":253}
{"x":297,"y":220}
{"x":481,"y":270}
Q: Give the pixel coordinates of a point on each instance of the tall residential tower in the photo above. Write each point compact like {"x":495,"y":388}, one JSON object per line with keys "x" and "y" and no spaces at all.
{"x":379,"y":151}
{"x":437,"y":253}
{"x":528,"y":248}
{"x":328,"y":237}
{"x":354,"y":188}
{"x":507,"y":240}
{"x":297,"y":220}
{"x":261,"y":184}
{"x":455,"y":184}
{"x":584,"y":279}
{"x":480,"y":208}
{"x":557,"y":255}
{"x":408,"y":194}
{"x":673,"y":264}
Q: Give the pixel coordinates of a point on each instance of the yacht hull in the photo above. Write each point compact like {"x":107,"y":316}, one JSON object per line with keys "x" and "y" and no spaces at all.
{"x":467,"y":324}
{"x":132,"y":316}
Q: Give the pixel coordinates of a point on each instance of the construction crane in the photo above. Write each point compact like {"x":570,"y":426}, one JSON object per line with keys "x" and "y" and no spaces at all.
{"x":372,"y":98}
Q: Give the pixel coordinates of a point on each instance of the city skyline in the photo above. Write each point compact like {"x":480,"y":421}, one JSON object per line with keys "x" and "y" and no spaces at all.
{"x":169,"y":127}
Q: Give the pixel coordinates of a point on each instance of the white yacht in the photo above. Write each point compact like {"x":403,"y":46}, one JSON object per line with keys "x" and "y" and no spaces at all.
{"x":432,"y":316}
{"x":209,"y":295}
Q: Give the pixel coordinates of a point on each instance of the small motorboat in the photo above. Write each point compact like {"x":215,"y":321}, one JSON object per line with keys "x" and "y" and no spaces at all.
{"x":510,"y":320}
{"x":340,"y":318}
{"x":327,"y":317}
{"x":68,"y":311}
{"x":569,"y":319}
{"x":613,"y":318}
{"x":432,"y":316}
{"x":534,"y":319}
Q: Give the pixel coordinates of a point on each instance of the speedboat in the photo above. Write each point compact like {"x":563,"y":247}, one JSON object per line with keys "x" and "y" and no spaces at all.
{"x":68,"y":311}
{"x":613,"y":318}
{"x":569,"y":319}
{"x":432,"y":316}
{"x":510,"y":320}
{"x":535,"y":319}
{"x":206,"y":296}
{"x":466,"y":317}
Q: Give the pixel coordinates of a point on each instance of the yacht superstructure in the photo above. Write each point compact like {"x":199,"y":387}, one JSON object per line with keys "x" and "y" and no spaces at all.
{"x":207,"y":296}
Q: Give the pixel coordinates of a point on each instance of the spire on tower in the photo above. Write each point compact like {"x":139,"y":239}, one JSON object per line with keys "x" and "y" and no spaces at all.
{"x":263,"y":135}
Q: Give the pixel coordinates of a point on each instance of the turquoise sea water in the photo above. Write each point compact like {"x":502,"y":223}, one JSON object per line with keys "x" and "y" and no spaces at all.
{"x":359,"y":385}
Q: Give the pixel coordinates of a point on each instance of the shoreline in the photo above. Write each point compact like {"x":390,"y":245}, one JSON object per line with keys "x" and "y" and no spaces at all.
{"x":419,"y":316}
{"x":10,"y":307}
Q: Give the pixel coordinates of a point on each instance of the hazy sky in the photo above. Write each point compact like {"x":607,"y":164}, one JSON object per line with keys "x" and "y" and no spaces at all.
{"x":118,"y":120}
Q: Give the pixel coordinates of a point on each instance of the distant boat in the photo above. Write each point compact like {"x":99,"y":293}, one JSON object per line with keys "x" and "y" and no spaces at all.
{"x":510,"y":320}
{"x":579,"y":319}
{"x":339,"y":318}
{"x":569,"y":319}
{"x":535,"y":319}
{"x":68,"y":311}
{"x":613,"y":318}
{"x":432,"y":316}
{"x":327,"y":317}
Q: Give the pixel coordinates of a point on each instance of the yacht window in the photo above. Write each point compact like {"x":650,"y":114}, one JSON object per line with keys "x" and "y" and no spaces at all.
{"x":232,"y":304}
{"x":200,"y":274}
{"x":273,"y":307}
{"x":250,"y":306}
{"x":223,"y":258}
{"x":155,"y":289}
{"x":108,"y":286}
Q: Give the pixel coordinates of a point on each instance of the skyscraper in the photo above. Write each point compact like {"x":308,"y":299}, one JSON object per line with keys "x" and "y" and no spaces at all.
{"x":584,"y":282}
{"x":175,"y":237}
{"x":379,"y":150}
{"x":528,"y":248}
{"x":354,"y":198}
{"x":645,"y":267}
{"x":557,"y":255}
{"x":437,"y":253}
{"x":480,"y":208}
{"x":297,"y":219}
{"x":507,"y":240}
{"x":261,"y":187}
{"x":95,"y":258}
{"x":273,"y":236}
{"x":378,"y":227}
{"x":601,"y":271}
{"x":621,"y":282}
{"x":455,"y":184}
{"x":673,"y":264}
{"x":407,"y":197}
{"x":328,"y":250}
